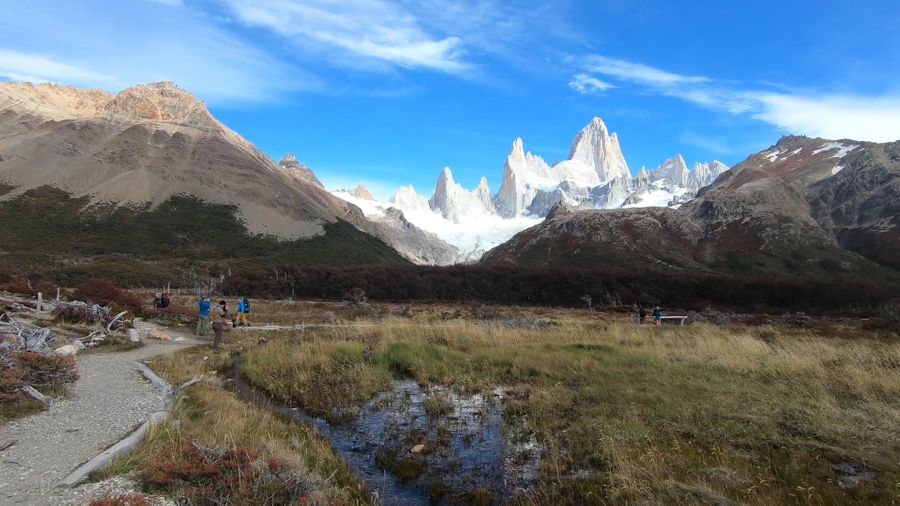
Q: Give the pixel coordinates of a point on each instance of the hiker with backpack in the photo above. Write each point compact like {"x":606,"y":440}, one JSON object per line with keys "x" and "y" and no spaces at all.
{"x":657,"y":315}
{"x":243,"y":311}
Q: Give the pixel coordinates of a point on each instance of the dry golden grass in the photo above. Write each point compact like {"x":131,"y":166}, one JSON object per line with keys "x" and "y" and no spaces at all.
{"x":676,"y":414}
{"x":210,"y":414}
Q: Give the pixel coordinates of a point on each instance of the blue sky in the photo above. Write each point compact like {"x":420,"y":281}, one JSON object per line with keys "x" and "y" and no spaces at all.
{"x":388,"y":93}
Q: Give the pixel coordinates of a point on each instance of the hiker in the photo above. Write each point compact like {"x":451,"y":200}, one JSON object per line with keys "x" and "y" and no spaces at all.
{"x":657,"y":315}
{"x":203,"y":316}
{"x":220,"y":318}
{"x":243,"y":311}
{"x":642,"y":314}
{"x":157,"y":300}
{"x":165,"y":301}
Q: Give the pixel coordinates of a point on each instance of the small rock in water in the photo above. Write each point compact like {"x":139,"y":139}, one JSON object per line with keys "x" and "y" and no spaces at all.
{"x":66,"y":351}
{"x":419,"y":448}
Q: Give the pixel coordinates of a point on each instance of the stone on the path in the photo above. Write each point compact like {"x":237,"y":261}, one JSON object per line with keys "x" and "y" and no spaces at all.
{"x":66,"y":351}
{"x":133,"y":335}
{"x":159,"y":335}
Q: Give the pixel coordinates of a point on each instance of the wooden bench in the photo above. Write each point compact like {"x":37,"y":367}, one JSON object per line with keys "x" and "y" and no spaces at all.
{"x":681,"y":319}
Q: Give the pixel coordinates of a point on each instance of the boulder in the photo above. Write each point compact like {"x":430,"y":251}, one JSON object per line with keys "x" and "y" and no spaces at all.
{"x":66,"y":351}
{"x":133,"y":335}
{"x":78,"y":344}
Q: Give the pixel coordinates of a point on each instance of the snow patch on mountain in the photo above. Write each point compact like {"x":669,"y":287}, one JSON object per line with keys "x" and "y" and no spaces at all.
{"x":842,"y":149}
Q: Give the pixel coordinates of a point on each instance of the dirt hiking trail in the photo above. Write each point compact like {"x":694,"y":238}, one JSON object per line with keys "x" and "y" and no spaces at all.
{"x":110,"y":400}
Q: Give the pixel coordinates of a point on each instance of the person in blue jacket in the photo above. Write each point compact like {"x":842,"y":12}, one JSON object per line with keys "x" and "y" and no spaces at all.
{"x":243,"y":311}
{"x":203,"y":316}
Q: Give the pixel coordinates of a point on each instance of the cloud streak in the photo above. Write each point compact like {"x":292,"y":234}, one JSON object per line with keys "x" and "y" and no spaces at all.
{"x":374,"y":29}
{"x":18,"y":66}
{"x":588,"y":85}
{"x":866,"y":118}
{"x":137,"y":42}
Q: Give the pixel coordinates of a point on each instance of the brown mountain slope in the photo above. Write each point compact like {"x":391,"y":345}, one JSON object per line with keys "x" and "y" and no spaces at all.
{"x":146,"y":144}
{"x":804,"y":207}
{"x":146,"y":186}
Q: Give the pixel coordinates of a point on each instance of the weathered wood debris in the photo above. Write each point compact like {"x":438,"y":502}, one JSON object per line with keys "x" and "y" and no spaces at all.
{"x":19,"y":333}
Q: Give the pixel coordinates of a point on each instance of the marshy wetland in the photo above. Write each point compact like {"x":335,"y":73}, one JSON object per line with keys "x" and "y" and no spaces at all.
{"x":528,"y":406}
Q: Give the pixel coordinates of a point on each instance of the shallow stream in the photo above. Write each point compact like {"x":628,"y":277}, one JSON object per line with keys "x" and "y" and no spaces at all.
{"x":404,"y":455}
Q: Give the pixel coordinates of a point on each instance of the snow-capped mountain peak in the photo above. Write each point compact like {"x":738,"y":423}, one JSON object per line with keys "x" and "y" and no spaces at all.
{"x":596,"y":148}
{"x":456,"y":203}
{"x":407,"y":199}
{"x":674,"y":170}
{"x":704,"y":174}
{"x":596,"y":175}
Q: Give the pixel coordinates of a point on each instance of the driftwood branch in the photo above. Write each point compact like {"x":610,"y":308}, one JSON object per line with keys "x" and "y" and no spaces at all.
{"x":34,"y":394}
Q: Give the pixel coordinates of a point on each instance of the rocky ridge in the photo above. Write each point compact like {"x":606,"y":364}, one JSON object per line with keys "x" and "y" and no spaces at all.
{"x":802,"y":206}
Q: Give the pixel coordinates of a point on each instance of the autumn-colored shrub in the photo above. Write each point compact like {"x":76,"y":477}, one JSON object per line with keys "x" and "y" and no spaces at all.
{"x":210,"y":475}
{"x":35,"y":369}
{"x":174,"y":313}
{"x":100,"y":291}
{"x":121,"y":500}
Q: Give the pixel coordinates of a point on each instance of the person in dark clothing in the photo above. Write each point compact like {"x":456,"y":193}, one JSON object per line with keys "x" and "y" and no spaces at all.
{"x":158,"y":301}
{"x":165,"y":300}
{"x":642,"y":314}
{"x":220,"y":318}
{"x":657,"y":315}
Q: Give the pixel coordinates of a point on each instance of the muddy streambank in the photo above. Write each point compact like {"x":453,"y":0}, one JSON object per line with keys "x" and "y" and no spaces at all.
{"x":423,"y":445}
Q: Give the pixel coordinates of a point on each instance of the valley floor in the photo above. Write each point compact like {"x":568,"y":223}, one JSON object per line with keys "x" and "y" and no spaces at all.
{"x":786,"y":411}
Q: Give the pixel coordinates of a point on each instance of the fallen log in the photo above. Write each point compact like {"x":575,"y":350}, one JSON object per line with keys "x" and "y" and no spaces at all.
{"x":34,"y":394}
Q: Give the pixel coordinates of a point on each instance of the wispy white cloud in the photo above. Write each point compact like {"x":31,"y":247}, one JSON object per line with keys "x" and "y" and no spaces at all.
{"x":374,"y":29}
{"x":874,"y":119}
{"x":636,"y":72}
{"x":115,"y":45}
{"x":588,"y":85}
{"x":18,"y":66}
{"x":860,"y":117}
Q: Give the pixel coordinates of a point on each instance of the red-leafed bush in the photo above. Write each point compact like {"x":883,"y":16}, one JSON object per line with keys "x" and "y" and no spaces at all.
{"x":204,"y":475}
{"x":18,"y":370}
{"x":100,"y":291}
{"x":175,"y":313}
{"x":121,"y":500}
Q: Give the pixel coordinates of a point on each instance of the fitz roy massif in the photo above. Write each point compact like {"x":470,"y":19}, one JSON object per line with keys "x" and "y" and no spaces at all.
{"x":594,"y":176}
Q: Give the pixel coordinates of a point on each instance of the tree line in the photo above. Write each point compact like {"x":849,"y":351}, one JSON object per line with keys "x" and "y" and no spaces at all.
{"x":563,"y":287}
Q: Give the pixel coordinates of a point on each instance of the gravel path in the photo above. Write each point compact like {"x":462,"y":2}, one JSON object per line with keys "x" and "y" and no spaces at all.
{"x":109,"y":401}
